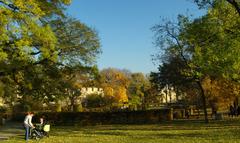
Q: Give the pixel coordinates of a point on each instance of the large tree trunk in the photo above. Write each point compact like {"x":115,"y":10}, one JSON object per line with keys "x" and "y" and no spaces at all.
{"x":203,"y":101}
{"x":72,"y":101}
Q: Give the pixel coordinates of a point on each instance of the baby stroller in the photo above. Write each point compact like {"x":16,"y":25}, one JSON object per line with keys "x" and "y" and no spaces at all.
{"x":40,"y":131}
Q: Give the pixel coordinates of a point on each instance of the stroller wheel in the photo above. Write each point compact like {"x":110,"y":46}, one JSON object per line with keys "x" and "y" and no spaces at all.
{"x":37,"y":138}
{"x":46,"y":134}
{"x":33,"y":135}
{"x":36,"y":135}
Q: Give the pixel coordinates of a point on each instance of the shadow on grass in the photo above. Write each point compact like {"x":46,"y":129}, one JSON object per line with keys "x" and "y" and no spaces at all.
{"x":20,"y":137}
{"x":9,"y":131}
{"x":192,"y":130}
{"x":174,"y":125}
{"x":195,"y":134}
{"x":216,"y":131}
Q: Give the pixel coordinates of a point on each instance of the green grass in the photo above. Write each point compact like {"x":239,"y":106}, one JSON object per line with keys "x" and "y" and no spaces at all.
{"x":168,"y":132}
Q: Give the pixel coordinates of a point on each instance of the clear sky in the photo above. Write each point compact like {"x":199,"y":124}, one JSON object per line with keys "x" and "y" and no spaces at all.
{"x":124,"y":28}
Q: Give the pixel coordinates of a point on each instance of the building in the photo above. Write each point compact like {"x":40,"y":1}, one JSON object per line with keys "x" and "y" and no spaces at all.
{"x":85,"y":91}
{"x":168,"y":95}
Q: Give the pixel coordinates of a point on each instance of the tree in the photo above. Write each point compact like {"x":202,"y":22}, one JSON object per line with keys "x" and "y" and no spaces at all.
{"x":73,"y":80}
{"x":117,"y":81}
{"x":78,"y":47}
{"x":114,"y":77}
{"x":38,"y":44}
{"x":210,"y":3}
{"x":77,"y":43}
{"x":26,"y":37}
{"x":205,"y":47}
{"x":220,"y":93}
{"x":138,"y":86}
{"x":26,"y":40}
{"x":120,"y":94}
{"x":109,"y":98}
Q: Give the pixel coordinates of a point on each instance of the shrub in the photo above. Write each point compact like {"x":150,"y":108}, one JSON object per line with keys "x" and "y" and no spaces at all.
{"x":78,"y":108}
{"x":58,"y":108}
{"x":22,"y":108}
{"x":94,"y":100}
{"x":3,"y":109}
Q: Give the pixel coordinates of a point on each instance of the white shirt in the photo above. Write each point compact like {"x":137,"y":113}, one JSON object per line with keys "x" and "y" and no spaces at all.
{"x":28,"y":121}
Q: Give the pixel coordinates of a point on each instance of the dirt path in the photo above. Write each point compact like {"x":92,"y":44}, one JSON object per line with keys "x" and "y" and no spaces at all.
{"x":11,"y":129}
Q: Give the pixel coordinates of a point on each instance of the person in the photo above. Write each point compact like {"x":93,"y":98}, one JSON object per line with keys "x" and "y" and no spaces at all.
{"x":3,"y":121}
{"x":187,"y":113}
{"x":238,"y":110}
{"x":231,"y":110}
{"x":28,"y":124}
{"x":42,"y":122}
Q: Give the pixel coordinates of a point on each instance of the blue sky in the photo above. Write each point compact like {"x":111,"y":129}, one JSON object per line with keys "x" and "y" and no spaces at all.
{"x":124,"y":28}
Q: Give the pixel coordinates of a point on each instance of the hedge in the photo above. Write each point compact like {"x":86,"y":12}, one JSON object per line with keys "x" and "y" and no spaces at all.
{"x":93,"y":118}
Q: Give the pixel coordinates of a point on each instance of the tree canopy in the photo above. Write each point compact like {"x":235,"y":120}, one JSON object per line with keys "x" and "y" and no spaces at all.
{"x":196,"y":49}
{"x":210,"y":3}
{"x":26,"y":36}
{"x":40,"y":45}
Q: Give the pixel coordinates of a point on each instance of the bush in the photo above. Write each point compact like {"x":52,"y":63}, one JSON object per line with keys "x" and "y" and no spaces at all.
{"x":78,"y":108}
{"x":94,"y":100}
{"x":58,"y":108}
{"x":26,"y":108}
{"x":3,"y":109}
{"x":22,"y":108}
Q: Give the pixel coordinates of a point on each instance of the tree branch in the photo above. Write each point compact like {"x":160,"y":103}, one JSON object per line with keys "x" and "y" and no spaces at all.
{"x":10,"y":5}
{"x":35,"y":53}
{"x":178,"y":43}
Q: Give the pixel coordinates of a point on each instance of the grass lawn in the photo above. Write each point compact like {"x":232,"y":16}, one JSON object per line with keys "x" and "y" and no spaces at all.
{"x":167,"y":132}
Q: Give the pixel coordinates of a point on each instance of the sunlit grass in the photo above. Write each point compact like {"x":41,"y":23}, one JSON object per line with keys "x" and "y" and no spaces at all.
{"x":168,"y":132}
